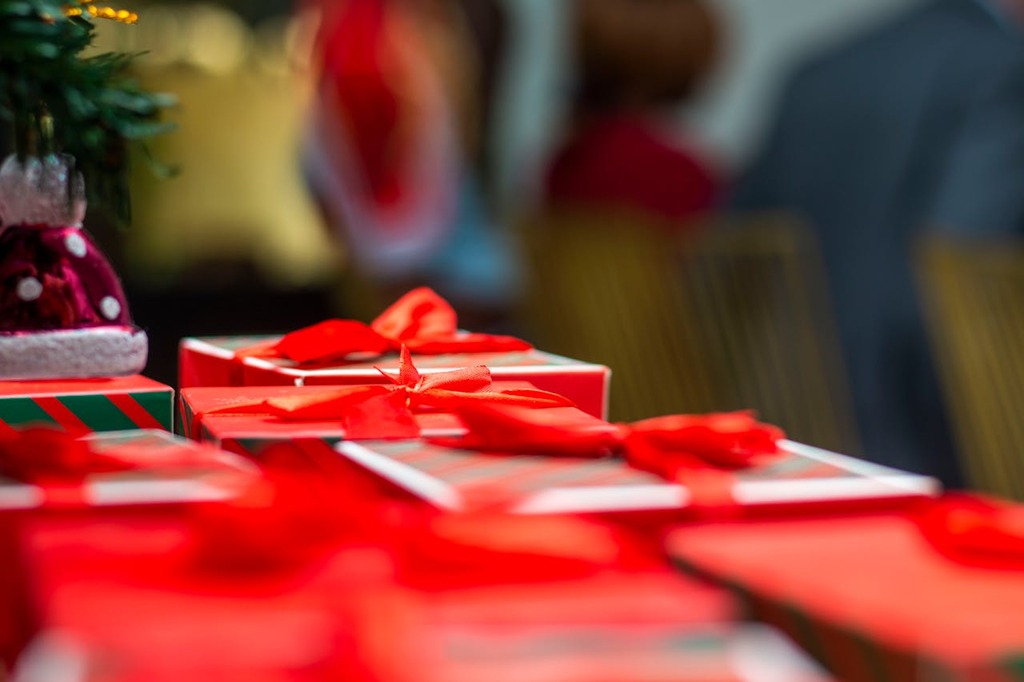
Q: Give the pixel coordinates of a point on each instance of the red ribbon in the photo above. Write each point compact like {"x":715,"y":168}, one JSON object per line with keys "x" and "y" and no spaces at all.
{"x":387,"y":411}
{"x":58,"y":462}
{"x":420,"y":320}
{"x":974,"y":530}
{"x":699,"y":451}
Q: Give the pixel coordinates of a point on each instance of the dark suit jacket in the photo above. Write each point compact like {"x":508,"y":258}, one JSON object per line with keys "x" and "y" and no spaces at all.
{"x":919,"y":123}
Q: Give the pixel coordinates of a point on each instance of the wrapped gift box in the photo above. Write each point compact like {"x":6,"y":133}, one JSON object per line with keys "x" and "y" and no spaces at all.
{"x":168,"y":473}
{"x":805,"y":478}
{"x":108,"y":404}
{"x":609,"y":628}
{"x":121,"y":598}
{"x":868,"y":595}
{"x":207,"y":417}
{"x":165,"y":469}
{"x":212,"y":362}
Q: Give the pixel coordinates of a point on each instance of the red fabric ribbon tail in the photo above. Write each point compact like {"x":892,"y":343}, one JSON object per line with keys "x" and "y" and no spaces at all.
{"x":325,"y":405}
{"x":381,"y":417}
{"x":975,"y":530}
{"x":469,"y":343}
{"x":518,"y":429}
{"x":453,"y":401}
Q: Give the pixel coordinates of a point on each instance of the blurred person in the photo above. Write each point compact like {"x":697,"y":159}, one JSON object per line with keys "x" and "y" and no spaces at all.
{"x":919,"y":124}
{"x":637,"y":61}
{"x":389,"y":155}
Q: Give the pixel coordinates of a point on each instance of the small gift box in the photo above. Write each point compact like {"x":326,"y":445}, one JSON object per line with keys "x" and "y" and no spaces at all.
{"x":936,"y":593}
{"x":543,"y":461}
{"x":109,"y":404}
{"x":346,"y":352}
{"x":247,"y":419}
{"x":230,"y":418}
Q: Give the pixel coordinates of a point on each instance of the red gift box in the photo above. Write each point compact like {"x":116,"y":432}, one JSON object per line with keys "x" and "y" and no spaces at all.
{"x":157,"y":468}
{"x":870,"y":595}
{"x":106,"y":404}
{"x":229,"y":418}
{"x":151,"y":472}
{"x":212,"y":362}
{"x":207,"y":417}
{"x":123,"y":599}
{"x":347,"y":352}
{"x":804,"y":478}
{"x":614,"y":628}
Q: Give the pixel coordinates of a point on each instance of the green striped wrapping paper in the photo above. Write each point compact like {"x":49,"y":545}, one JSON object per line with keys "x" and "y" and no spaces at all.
{"x":805,"y":477}
{"x":106,"y":404}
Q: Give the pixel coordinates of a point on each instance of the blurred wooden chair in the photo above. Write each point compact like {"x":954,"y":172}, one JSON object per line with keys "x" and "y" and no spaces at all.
{"x":974,"y":297}
{"x":727,"y":315}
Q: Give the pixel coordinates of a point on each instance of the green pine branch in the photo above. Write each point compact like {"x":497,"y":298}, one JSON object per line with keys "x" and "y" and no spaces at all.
{"x":57,"y":101}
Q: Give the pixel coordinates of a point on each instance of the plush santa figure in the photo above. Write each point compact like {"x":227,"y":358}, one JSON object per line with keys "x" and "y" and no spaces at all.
{"x":63,"y":312}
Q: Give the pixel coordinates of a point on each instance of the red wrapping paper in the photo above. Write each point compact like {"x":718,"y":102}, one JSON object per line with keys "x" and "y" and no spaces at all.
{"x":876,"y":596}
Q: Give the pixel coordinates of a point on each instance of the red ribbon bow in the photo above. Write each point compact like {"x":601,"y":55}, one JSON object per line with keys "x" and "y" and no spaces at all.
{"x":420,"y":320}
{"x":974,"y":530}
{"x":387,"y":411}
{"x":58,"y":462}
{"x":697,"y":450}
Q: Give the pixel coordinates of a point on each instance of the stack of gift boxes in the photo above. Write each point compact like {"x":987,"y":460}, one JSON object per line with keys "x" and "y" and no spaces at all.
{"x":404,"y":501}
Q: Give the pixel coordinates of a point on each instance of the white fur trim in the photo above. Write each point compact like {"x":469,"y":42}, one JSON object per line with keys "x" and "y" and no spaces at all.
{"x":74,"y":353}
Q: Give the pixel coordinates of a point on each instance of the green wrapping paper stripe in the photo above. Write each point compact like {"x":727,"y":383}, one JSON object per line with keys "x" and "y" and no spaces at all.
{"x":97,"y":412}
{"x":1012,"y":666}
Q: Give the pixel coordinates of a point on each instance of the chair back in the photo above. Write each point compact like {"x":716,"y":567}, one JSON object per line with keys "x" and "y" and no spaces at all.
{"x":974,"y":300}
{"x":726,"y":314}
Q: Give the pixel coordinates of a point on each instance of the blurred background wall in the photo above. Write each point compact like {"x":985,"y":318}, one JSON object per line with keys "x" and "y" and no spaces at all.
{"x":235,"y":243}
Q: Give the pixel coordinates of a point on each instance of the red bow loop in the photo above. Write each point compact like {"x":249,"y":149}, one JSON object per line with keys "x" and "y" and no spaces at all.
{"x":975,"y":531}
{"x":725,"y":440}
{"x":667,"y":446}
{"x":420,"y":320}
{"x":418,"y":316}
